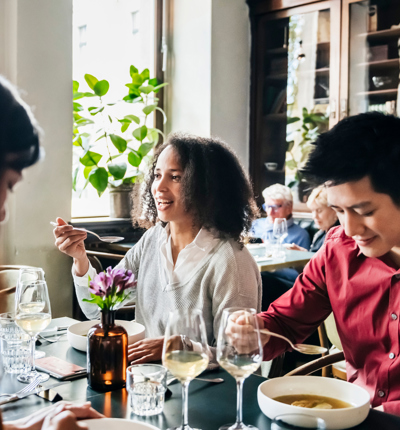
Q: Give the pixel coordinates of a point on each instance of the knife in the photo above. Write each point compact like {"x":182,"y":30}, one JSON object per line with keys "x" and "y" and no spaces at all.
{"x":35,"y":391}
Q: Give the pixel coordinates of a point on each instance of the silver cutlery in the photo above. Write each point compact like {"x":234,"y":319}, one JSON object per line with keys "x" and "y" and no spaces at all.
{"x":36,"y":390}
{"x":109,"y":239}
{"x":26,"y":389}
{"x":213,"y":381}
{"x":46,"y":339}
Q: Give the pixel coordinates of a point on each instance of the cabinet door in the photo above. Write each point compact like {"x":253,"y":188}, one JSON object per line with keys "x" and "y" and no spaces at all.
{"x":370,"y":57}
{"x":295,"y":75}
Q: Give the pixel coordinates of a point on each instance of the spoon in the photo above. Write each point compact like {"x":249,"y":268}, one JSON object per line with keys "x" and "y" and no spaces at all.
{"x":214,"y":381}
{"x":300,"y":347}
{"x":108,"y":239}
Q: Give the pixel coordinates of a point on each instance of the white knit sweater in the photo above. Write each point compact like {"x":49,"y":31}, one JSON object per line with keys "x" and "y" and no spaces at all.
{"x":228,"y":277}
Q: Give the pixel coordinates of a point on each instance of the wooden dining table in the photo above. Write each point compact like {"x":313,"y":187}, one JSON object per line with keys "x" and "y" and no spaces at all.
{"x":210,"y":405}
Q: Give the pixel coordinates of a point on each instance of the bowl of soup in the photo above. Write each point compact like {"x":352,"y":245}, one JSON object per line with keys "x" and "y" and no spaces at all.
{"x":77,"y":333}
{"x":339,"y":403}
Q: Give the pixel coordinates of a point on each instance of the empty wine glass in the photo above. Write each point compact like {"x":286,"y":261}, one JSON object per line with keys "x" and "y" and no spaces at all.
{"x":280,"y":232}
{"x":185,"y":353}
{"x":33,"y":315}
{"x":239,"y":352}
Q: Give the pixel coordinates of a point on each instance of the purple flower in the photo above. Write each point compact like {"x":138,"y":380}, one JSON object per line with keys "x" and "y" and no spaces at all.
{"x":112,"y":285}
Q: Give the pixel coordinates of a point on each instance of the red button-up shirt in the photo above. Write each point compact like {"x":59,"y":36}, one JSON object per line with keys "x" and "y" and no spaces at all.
{"x":364,"y":295}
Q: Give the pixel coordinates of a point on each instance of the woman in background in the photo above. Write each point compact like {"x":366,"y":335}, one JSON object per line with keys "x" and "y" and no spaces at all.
{"x":198,"y":203}
{"x":19,"y":149}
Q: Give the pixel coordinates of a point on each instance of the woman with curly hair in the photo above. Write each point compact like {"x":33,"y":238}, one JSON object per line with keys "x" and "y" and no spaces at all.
{"x":198,"y":203}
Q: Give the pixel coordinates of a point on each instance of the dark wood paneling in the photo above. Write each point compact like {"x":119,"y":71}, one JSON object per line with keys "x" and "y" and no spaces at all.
{"x":258,"y":7}
{"x":159,"y":74}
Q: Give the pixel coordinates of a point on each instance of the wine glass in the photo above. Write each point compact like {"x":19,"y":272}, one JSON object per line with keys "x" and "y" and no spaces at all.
{"x":280,"y":232}
{"x":33,"y":315}
{"x":239,"y":352}
{"x":185,"y":353}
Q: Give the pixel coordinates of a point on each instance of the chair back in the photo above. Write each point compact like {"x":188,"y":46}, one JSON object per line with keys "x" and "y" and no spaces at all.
{"x":332,"y":333}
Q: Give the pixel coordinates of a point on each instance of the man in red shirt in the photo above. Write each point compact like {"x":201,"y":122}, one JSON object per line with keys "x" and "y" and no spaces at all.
{"x":356,"y":272}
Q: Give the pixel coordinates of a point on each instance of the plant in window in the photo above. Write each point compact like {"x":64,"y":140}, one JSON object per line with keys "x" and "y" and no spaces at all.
{"x":298,"y":149}
{"x":112,"y":144}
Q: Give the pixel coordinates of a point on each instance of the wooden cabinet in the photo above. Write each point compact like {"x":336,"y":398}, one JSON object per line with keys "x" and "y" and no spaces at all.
{"x":316,"y":61}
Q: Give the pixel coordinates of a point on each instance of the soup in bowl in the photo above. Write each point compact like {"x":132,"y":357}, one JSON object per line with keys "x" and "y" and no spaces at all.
{"x":340,"y":404}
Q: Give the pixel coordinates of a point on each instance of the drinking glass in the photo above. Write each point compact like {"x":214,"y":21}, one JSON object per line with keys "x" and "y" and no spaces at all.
{"x":280,"y":232}
{"x":33,"y":315}
{"x":239,"y":352}
{"x":185,"y":353}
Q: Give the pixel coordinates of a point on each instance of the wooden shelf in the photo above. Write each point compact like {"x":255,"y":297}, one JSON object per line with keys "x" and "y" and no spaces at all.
{"x":388,"y":92}
{"x":382,"y":64}
{"x":382,"y":34}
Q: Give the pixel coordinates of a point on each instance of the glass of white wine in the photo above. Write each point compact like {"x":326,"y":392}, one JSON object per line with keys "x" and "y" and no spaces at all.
{"x":33,"y":315}
{"x":186,"y":352}
{"x":239,"y":352}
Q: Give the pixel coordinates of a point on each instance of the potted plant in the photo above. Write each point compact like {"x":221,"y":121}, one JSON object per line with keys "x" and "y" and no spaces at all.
{"x":299,"y":148}
{"x":110,"y":142}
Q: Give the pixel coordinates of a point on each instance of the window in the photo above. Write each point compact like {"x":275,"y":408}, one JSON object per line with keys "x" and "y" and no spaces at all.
{"x":103,"y":46}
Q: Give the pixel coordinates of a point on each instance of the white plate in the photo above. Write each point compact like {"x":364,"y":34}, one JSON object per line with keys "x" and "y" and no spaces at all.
{"x":116,"y":423}
{"x":77,"y":338}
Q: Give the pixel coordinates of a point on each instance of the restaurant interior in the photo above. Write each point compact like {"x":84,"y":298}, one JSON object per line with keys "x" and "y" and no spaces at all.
{"x":267,"y":77}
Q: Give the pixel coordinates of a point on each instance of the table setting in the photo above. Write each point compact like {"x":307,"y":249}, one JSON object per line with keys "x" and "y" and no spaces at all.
{"x":178,"y":393}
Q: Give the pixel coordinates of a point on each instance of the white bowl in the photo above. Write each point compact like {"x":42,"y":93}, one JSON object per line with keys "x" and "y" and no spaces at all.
{"x":77,"y":338}
{"x":336,"y":419}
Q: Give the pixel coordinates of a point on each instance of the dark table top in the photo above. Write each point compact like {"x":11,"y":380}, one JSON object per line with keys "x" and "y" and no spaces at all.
{"x":210,"y":405}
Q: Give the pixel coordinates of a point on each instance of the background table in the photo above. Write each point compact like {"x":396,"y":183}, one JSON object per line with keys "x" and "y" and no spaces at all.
{"x":210,"y":405}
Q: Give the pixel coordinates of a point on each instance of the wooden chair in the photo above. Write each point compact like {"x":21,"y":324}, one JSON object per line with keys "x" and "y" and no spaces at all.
{"x":8,"y":286}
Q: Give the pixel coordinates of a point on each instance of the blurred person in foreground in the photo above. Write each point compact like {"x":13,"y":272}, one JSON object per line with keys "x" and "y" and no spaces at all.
{"x":197,"y":204}
{"x":19,"y":149}
{"x":324,"y":218}
{"x":356,"y":273}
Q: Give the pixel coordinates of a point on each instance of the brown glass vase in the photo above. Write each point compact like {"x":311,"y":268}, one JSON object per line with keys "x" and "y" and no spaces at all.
{"x":107,"y":356}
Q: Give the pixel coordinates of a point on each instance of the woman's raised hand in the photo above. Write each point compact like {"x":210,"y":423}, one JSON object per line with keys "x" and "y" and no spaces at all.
{"x":70,"y":241}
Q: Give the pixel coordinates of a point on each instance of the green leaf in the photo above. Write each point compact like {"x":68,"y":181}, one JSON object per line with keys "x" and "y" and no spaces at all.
{"x":91,"y":81}
{"x":146,"y":89}
{"x":75,"y":86}
{"x":95,"y":110}
{"x":118,"y":142}
{"x":89,"y":94}
{"x":293,"y":119}
{"x":140,"y":133}
{"x":133,"y":118}
{"x":290,"y":145}
{"x":77,"y":107}
{"x":292,"y":184}
{"x":130,"y":180}
{"x":117,"y":170}
{"x":147,"y":110}
{"x":77,"y":96}
{"x":304,"y":111}
{"x":83,"y":121}
{"x":134,"y":158}
{"x":152,"y":134}
{"x":145,"y":74}
{"x":90,"y":158}
{"x":137,"y":79}
{"x":158,"y":87}
{"x":133,"y":70}
{"x":291,"y":164}
{"x":101,"y":88}
{"x":99,"y":179}
{"x":153,"y":82}
{"x":125,"y":125}
{"x":109,"y":118}
{"x":75,"y":178}
{"x":145,"y":148}
{"x":87,"y":170}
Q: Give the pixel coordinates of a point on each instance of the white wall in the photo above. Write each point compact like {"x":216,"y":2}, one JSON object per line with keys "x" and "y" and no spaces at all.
{"x":38,"y":59}
{"x":209,"y":70}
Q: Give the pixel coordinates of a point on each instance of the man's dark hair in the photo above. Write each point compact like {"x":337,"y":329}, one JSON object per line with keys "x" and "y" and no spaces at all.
{"x":215,"y":187}
{"x":363,"y":145}
{"x":19,"y":132}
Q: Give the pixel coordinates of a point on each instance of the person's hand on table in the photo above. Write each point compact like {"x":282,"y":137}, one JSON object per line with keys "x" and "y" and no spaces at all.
{"x":294,"y":247}
{"x":70,"y":241}
{"x":145,"y":350}
{"x":69,"y":413}
{"x":240,"y":331}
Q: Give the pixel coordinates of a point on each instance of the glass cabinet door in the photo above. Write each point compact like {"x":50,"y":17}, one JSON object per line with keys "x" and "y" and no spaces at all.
{"x":370,"y":52}
{"x":296,"y":89}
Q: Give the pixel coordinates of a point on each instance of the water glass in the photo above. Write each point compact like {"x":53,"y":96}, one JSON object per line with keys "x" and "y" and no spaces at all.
{"x":297,"y":422}
{"x":146,"y":384}
{"x":15,"y":345}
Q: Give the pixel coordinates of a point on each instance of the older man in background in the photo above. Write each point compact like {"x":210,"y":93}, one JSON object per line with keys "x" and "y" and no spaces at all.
{"x":279,"y":204}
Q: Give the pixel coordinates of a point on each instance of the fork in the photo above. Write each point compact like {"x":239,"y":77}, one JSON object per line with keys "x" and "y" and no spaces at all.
{"x":46,"y":339}
{"x":26,"y":389}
